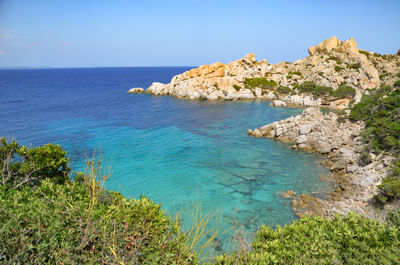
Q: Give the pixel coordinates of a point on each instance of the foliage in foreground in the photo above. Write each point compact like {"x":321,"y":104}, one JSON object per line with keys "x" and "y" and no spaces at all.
{"x":79,"y":222}
{"x":315,"y":240}
{"x":43,"y":221}
{"x":20,"y":165}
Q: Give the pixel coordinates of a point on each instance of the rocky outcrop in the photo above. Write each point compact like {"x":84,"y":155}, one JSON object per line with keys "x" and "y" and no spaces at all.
{"x":334,"y":43}
{"x":138,"y":90}
{"x":331,"y":63}
{"x":355,"y":184}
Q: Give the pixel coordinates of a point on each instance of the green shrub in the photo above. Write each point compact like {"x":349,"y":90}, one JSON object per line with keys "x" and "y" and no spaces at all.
{"x":364,"y":52}
{"x":381,"y":112}
{"x":334,"y":58}
{"x":390,"y":187}
{"x":236,"y":87}
{"x":382,"y":76}
{"x":289,"y":76}
{"x":398,"y":74}
{"x":23,"y":165}
{"x":397,"y":83}
{"x":314,"y":240}
{"x":79,"y":222}
{"x":321,"y":74}
{"x":354,"y":66}
{"x":259,"y":82}
{"x":316,"y":90}
{"x":365,"y":158}
{"x":285,"y":90}
{"x":344,"y":91}
{"x":338,"y":68}
{"x":341,"y":119}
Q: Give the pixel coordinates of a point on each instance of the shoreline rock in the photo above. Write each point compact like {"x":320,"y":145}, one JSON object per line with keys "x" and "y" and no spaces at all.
{"x":354,"y":184}
{"x":137,"y":90}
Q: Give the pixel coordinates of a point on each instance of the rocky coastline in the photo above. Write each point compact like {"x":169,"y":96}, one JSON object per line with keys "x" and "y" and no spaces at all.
{"x":340,"y":142}
{"x":335,"y":75}
{"x":331,"y":63}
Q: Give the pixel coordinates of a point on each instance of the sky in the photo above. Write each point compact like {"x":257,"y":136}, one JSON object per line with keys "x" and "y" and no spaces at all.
{"x":97,"y":33}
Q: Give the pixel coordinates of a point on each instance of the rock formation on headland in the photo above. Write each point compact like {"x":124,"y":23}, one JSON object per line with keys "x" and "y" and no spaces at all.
{"x":332,"y":64}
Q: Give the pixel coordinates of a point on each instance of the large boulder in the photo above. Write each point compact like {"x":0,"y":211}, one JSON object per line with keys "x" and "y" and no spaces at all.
{"x":333,"y":43}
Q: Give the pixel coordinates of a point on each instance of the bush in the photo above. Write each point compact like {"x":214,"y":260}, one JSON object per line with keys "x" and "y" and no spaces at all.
{"x":23,"y":165}
{"x":365,"y":158}
{"x":382,"y":76}
{"x":334,"y":58}
{"x":236,"y":87}
{"x":354,"y":66}
{"x":315,"y":90}
{"x":285,"y":90}
{"x":289,"y":76}
{"x":314,"y":240}
{"x":79,"y":222}
{"x":259,"y":82}
{"x":397,"y":83}
{"x":380,"y":111}
{"x":344,"y":91}
{"x":338,"y":68}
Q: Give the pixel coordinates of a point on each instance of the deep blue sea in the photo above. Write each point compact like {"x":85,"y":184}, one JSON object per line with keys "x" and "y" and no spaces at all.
{"x":165,"y":148}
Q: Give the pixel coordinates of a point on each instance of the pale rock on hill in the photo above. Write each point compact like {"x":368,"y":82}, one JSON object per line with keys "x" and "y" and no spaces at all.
{"x":331,"y":63}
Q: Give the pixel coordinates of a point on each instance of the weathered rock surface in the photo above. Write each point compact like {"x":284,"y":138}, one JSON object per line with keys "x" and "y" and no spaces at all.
{"x":331,"y":63}
{"x":136,"y":90}
{"x":355,"y":184}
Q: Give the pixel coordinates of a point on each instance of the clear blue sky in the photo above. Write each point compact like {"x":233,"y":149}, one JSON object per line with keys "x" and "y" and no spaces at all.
{"x":74,"y":33}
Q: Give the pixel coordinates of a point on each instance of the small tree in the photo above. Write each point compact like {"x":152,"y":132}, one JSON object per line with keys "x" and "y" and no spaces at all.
{"x":23,"y":165}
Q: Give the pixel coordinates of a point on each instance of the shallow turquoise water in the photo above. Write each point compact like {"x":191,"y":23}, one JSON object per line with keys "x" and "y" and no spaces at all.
{"x":165,"y":148}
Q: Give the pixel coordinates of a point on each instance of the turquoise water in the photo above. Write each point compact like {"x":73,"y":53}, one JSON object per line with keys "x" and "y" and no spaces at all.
{"x":165,"y":148}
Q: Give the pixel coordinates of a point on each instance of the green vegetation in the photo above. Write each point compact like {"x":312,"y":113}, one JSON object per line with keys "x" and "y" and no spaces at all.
{"x":334,"y":58}
{"x":259,"y":82}
{"x":338,"y":68}
{"x":315,"y":90}
{"x":397,"y":83}
{"x":52,"y":219}
{"x":382,"y":76}
{"x":349,"y":240}
{"x":381,"y":112}
{"x":285,"y":90}
{"x":22,"y":165}
{"x":344,"y":91}
{"x":236,"y":87}
{"x":321,"y":74}
{"x":289,"y":75}
{"x":364,"y":52}
{"x":355,"y":66}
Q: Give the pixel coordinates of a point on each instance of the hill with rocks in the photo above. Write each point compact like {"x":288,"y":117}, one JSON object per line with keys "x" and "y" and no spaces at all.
{"x":334,"y":74}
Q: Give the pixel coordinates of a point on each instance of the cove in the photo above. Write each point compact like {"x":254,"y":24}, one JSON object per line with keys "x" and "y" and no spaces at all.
{"x":164,"y":148}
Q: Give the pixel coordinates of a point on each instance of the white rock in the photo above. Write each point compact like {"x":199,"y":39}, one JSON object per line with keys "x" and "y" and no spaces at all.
{"x":305,"y":129}
{"x":301,"y":139}
{"x":278,"y":103}
{"x":136,"y":90}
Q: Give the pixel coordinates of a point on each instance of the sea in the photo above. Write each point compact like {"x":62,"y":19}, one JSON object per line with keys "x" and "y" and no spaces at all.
{"x":174,"y":151}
